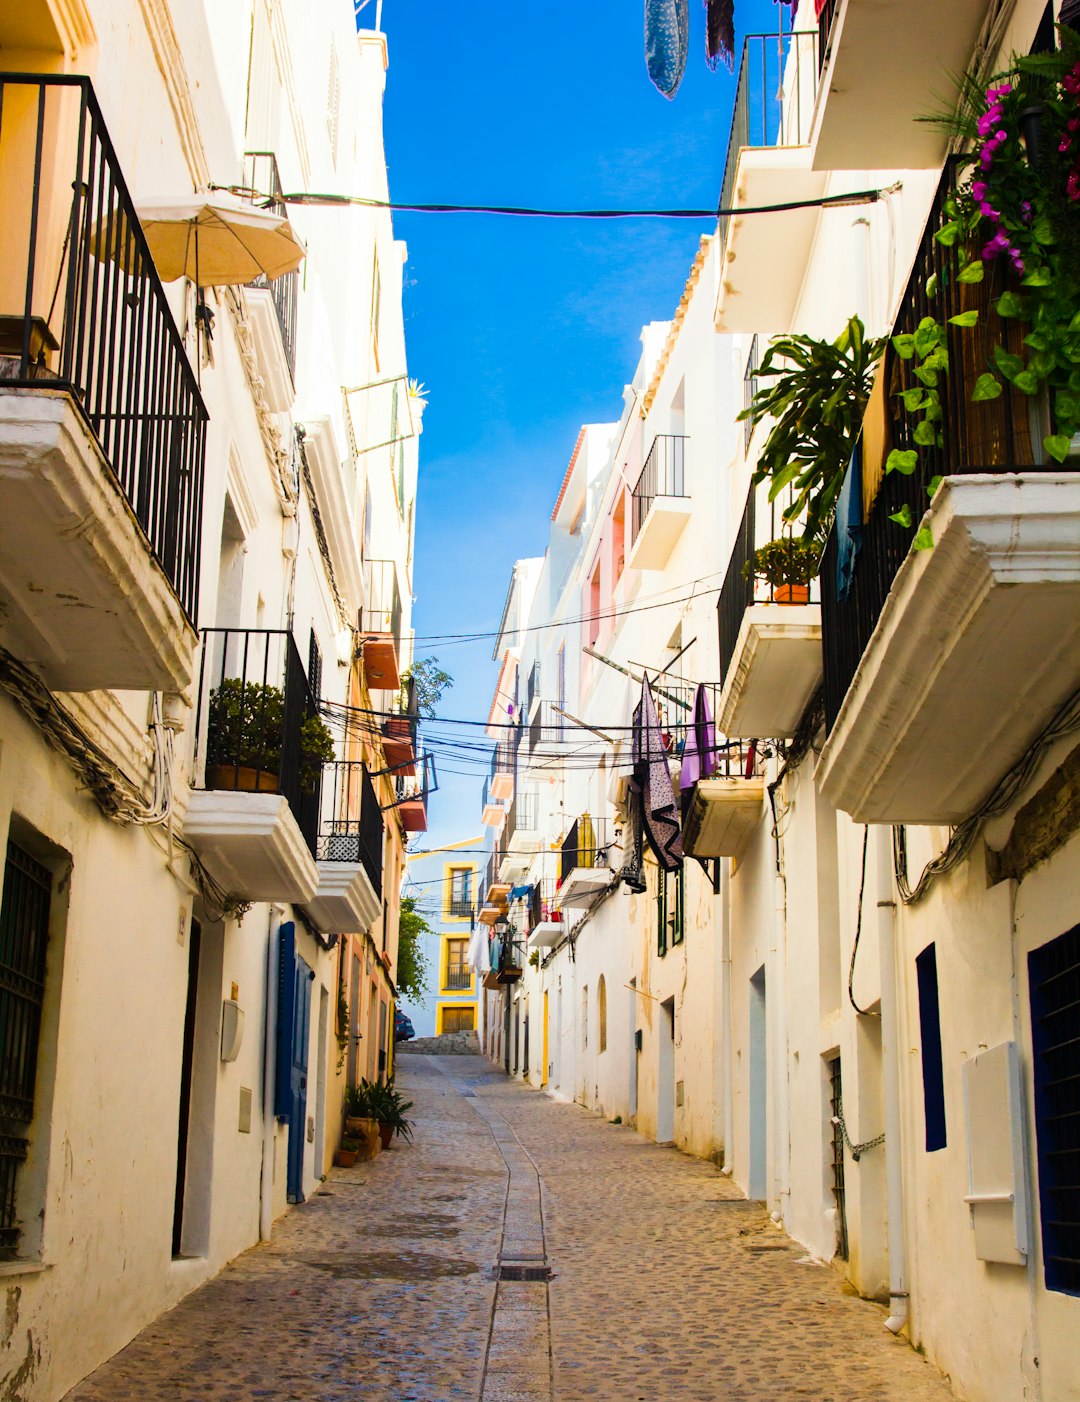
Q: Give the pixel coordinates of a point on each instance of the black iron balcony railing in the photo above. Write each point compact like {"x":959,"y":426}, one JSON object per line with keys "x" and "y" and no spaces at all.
{"x":532,"y":687}
{"x":419,"y":786}
{"x":83,"y":310}
{"x":751,"y":385}
{"x":503,"y":758}
{"x":258,"y":726}
{"x":401,"y":727}
{"x":549,"y":727}
{"x":774,"y":101}
{"x":461,"y":906}
{"x":664,"y":475}
{"x":826,"y":15}
{"x":585,"y":845}
{"x":993,"y":436}
{"x":261,"y":175}
{"x":542,"y":902}
{"x":381,"y":613}
{"x":352,"y":827}
{"x":524,"y":814}
{"x":741,"y":588}
{"x":458,"y":978}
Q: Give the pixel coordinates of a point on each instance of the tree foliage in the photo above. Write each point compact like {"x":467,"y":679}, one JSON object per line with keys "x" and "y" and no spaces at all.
{"x":412,"y":961}
{"x":431,"y":681}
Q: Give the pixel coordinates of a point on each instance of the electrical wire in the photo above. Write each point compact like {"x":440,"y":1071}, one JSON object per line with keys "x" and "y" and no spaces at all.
{"x":308,"y":197}
{"x":863,"y":1012}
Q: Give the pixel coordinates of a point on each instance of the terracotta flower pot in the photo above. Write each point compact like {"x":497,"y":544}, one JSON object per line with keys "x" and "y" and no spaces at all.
{"x":240,"y":779}
{"x":345,"y":1158}
{"x":791,"y":594}
{"x":386,"y":1134}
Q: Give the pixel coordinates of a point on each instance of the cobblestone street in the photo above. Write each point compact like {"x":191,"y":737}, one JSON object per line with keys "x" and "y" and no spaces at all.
{"x":664,"y":1282}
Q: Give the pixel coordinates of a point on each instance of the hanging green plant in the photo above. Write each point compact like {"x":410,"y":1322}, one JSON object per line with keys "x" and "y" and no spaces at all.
{"x":818,"y":397}
{"x":1017,"y":211}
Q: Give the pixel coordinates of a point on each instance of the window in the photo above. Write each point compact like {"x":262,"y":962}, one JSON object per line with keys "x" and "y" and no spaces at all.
{"x":832,"y":1066}
{"x":601,"y":1012}
{"x":460,"y":901}
{"x":669,"y":910}
{"x":585,"y":1017}
{"x":561,"y":675}
{"x":930,"y":1028}
{"x":1054,"y":974}
{"x":750,"y":388}
{"x":458,"y":974}
{"x":593,"y":609}
{"x":24,"y":934}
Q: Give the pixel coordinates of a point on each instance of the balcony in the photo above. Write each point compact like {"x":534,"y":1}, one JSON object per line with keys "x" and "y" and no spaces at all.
{"x":261,"y":746}
{"x":769,"y":163}
{"x":459,"y":978}
{"x":545,"y":920}
{"x":721,"y":813}
{"x":506,"y":964}
{"x":943,"y":665}
{"x":413,"y":793}
{"x":584,"y":863}
{"x":272,"y":304}
{"x":661,"y":507}
{"x":380,"y":626}
{"x":102,"y":426}
{"x":349,"y":852}
{"x":548,"y":732}
{"x":503,"y":769}
{"x":493,"y":814}
{"x":770,"y":646}
{"x":399,"y":732}
{"x":523,"y":822}
{"x":880,"y":76}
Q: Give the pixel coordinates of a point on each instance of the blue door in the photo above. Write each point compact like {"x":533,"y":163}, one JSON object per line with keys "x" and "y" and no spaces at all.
{"x":294,"y":1013}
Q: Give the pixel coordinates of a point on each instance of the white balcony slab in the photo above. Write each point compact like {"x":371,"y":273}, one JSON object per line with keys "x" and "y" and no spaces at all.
{"x":251,"y":844}
{"x":888,"y":65}
{"x":765,"y":255}
{"x":82,"y":599}
{"x":581,"y":885}
{"x":345,"y":902}
{"x":722,"y":816}
{"x":502,"y":784}
{"x":493,"y":816}
{"x":513,"y":865}
{"x":547,"y":934}
{"x":270,"y":349}
{"x":976,"y":648}
{"x":664,"y":523}
{"x":774,"y":671}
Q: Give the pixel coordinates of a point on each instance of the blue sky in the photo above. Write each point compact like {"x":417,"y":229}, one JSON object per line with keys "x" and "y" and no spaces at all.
{"x":522,"y":330}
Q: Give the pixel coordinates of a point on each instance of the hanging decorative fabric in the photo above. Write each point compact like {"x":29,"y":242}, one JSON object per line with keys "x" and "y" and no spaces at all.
{"x":819,"y":5}
{"x":720,"y":33}
{"x":667,"y":39}
{"x":699,"y":751}
{"x":849,"y":525}
{"x":661,"y":815}
{"x":632,"y":873}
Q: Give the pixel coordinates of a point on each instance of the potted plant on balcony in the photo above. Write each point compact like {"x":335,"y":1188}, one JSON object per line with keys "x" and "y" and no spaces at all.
{"x":787,"y":565}
{"x":244,"y":729}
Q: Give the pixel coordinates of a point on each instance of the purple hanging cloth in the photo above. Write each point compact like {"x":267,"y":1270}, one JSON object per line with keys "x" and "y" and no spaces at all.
{"x":699,"y":752}
{"x":720,"y":33}
{"x":667,"y":40}
{"x":661,"y":814}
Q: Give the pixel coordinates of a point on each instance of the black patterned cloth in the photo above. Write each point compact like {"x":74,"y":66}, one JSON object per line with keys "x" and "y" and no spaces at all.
{"x":660,"y":812}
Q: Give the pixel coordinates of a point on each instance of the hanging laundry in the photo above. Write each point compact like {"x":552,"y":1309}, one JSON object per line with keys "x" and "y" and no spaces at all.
{"x":720,"y":33}
{"x":661,"y":815}
{"x":849,"y":525}
{"x":699,"y":751}
{"x":632,"y":872}
{"x":667,"y":39}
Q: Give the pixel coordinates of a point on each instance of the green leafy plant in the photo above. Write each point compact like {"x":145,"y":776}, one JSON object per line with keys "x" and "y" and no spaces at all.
{"x":385,"y":1104}
{"x":359,"y":1102}
{"x":413,"y":967}
{"x":245,"y":727}
{"x":785,"y":561}
{"x":431,"y":681}
{"x":351,"y":1146}
{"x":534,"y":959}
{"x":1016,"y":218}
{"x":343,"y":1025}
{"x":817,"y":397}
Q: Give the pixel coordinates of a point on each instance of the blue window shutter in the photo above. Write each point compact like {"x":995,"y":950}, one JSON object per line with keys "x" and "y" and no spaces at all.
{"x":286,"y":1006}
{"x":932,"y":1063}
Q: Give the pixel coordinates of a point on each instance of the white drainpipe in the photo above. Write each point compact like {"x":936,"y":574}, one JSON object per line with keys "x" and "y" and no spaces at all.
{"x":890,"y":1069}
{"x":776,"y":992}
{"x":726,"y":1072}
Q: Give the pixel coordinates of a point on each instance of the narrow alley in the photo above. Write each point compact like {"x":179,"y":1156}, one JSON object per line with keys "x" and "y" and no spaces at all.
{"x":383,"y":1284}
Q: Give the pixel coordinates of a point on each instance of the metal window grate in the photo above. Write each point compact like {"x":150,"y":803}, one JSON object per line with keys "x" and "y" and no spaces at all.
{"x":1054,"y":972}
{"x":24,"y":933}
{"x":835,"y":1104}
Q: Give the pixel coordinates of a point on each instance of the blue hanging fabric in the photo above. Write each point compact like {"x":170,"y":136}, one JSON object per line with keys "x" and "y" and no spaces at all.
{"x":849,"y":525}
{"x":667,"y":39}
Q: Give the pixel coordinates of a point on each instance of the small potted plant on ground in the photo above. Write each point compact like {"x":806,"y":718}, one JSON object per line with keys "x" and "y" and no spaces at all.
{"x":348,"y":1153}
{"x":787,"y":565}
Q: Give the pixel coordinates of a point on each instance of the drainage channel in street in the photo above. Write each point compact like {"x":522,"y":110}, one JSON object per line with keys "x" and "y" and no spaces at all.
{"x":517,"y":1360}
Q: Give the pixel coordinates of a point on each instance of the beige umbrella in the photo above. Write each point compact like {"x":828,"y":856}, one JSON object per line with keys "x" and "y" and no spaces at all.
{"x":213,"y":239}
